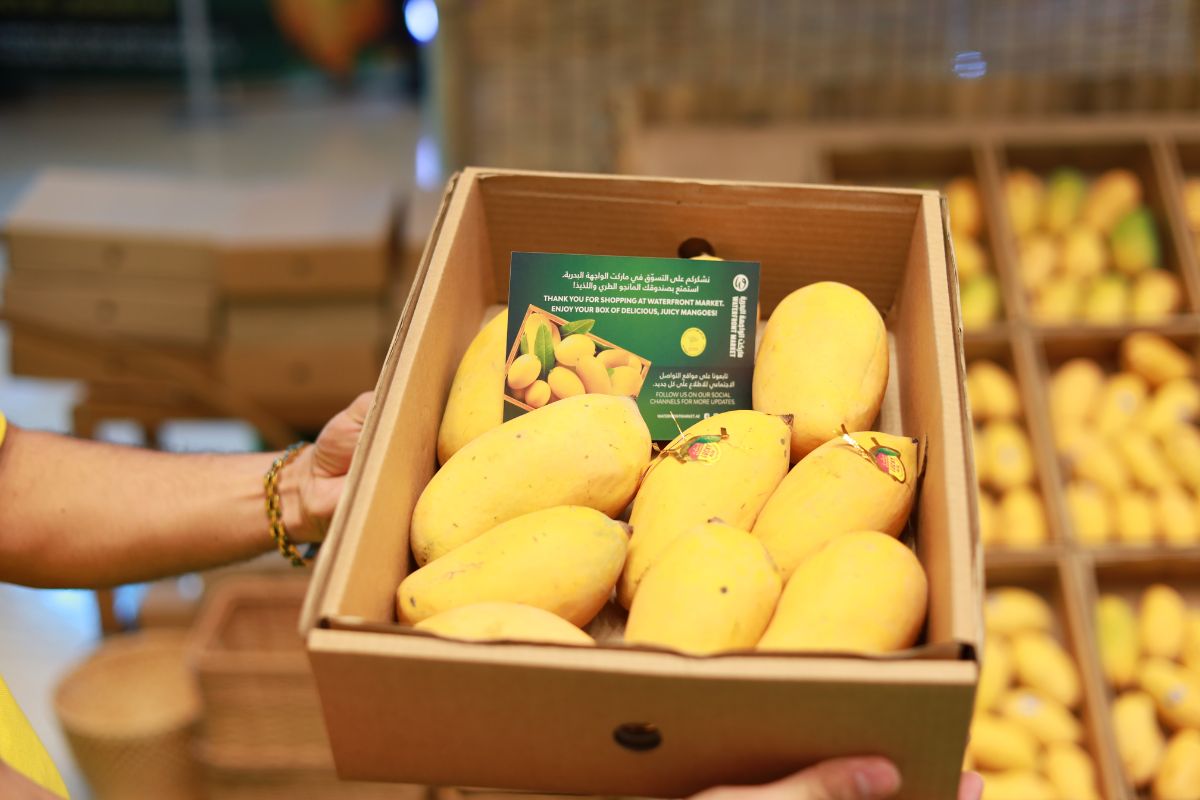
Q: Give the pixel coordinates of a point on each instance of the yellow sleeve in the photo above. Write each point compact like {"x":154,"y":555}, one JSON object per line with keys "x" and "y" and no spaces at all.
{"x":20,"y":747}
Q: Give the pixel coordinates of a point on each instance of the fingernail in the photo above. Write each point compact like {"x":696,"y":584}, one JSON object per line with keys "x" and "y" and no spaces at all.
{"x":877,"y":780}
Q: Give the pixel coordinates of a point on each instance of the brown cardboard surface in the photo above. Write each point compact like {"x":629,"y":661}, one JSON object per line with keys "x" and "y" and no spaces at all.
{"x":539,"y":717}
{"x":352,"y":322}
{"x":777,"y":153}
{"x":288,"y":374}
{"x":149,"y":309}
{"x":37,"y":356}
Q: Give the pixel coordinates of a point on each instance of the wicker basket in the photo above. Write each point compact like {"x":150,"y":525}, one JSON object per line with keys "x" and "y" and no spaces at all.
{"x":128,"y":711}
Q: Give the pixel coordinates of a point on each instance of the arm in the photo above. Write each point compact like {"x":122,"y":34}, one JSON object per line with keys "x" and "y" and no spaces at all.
{"x":87,"y":514}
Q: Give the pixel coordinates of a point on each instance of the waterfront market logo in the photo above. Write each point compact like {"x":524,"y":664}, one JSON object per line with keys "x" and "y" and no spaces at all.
{"x":741,"y":283}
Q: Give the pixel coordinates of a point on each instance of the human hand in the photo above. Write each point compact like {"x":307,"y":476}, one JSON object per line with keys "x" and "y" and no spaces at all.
{"x":837,"y":779}
{"x":319,"y":472}
{"x":15,"y":786}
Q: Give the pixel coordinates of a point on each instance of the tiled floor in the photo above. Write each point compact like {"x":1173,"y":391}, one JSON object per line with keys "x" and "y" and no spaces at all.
{"x":42,"y":632}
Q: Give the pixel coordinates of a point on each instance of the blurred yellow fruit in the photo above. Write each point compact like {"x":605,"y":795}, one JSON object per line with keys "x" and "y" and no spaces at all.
{"x":1074,"y":388}
{"x":1139,"y":740}
{"x":1023,"y":193}
{"x":1156,"y":358}
{"x":1073,"y":440}
{"x":1048,"y":720}
{"x":1144,"y":458}
{"x":1176,"y":401}
{"x":1071,"y":770}
{"x":992,"y":392}
{"x":1191,"y":642}
{"x":971,"y":259}
{"x":979,"y":299}
{"x":1191,"y":202}
{"x":995,"y":674}
{"x":1178,"y":521}
{"x":1134,"y":242}
{"x":1102,"y":466}
{"x":965,"y":207}
{"x":1157,"y":295}
{"x":1037,"y":260}
{"x":1181,"y":443}
{"x":1120,"y":400}
{"x":1112,"y":195}
{"x":1106,"y":300}
{"x":1066,"y":189}
{"x":1041,"y":663}
{"x":1178,"y":776}
{"x":1010,"y":610}
{"x":1118,"y":640}
{"x":1175,"y":689}
{"x":1058,"y":301}
{"x":999,"y":743}
{"x":1091,"y":513}
{"x":1162,"y":622}
{"x":1083,"y":253}
{"x":1137,"y":521}
{"x":1015,"y":784}
{"x":1007,"y":454}
{"x":1022,"y":518}
{"x":989,"y":521}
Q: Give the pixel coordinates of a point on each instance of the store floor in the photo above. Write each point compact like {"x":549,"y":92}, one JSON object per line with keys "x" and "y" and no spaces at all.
{"x":43,"y":632}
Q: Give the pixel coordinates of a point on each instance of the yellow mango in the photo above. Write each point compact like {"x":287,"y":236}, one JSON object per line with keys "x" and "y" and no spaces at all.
{"x":1091,"y":513}
{"x":989,"y":521}
{"x":1037,"y":260}
{"x":1181,"y":443}
{"x":1071,"y":771}
{"x":1157,"y":295}
{"x":574,"y":349}
{"x":970,"y":257}
{"x":533,"y":323}
{"x":594,"y":376}
{"x":613,"y":358}
{"x":1191,"y":644}
{"x":1073,"y":440}
{"x":1023,"y":518}
{"x":1144,"y":457}
{"x":523,"y":371}
{"x":997,"y":743}
{"x":1106,"y":300}
{"x":965,"y":206}
{"x":1016,"y":785}
{"x":1041,"y":663}
{"x":1175,"y":689}
{"x":1048,"y":720}
{"x":626,"y":381}
{"x":1137,"y":520}
{"x":476,"y":400}
{"x":1066,"y":189}
{"x":1178,"y":776}
{"x":979,"y":300}
{"x":1120,"y":401}
{"x":1104,"y":467}
{"x":836,"y":489}
{"x":712,"y":589}
{"x":1112,"y":195}
{"x":1176,"y":402}
{"x":1191,"y":203}
{"x":995,"y":674}
{"x":1139,"y":740}
{"x":563,"y":559}
{"x":1074,"y":388}
{"x":1175,"y":511}
{"x":1162,"y":623}
{"x":1083,"y":255}
{"x":1155,"y":358}
{"x":730,"y":478}
{"x":495,"y":621}
{"x":1024,"y":194}
{"x":992,"y":392}
{"x":1008,"y":455}
{"x":538,"y":394}
{"x":1010,"y":610}
{"x":1057,"y":301}
{"x":823,"y":360}
{"x":588,"y":450}
{"x":564,"y":383}
{"x":863,"y":592}
{"x":1117,"y":639}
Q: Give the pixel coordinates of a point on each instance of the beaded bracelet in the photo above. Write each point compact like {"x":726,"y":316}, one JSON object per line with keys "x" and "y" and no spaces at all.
{"x":274,"y":507}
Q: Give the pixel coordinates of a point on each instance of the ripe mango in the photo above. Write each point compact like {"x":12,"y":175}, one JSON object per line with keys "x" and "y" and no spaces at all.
{"x":1037,"y":260}
{"x":989,"y":521}
{"x":613,"y":358}
{"x":1147,"y":465}
{"x":1157,"y":295}
{"x":837,"y":489}
{"x":992,"y":392}
{"x":1181,"y":443}
{"x":497,"y":621}
{"x":1137,"y":520}
{"x":1009,"y":457}
{"x":1023,"y":518}
{"x":538,"y":394}
{"x":1024,"y":194}
{"x":970,"y":258}
{"x":965,"y":206}
{"x":476,"y":400}
{"x":823,"y":360}
{"x":1134,"y":242}
{"x":563,"y":559}
{"x":1191,"y":644}
{"x":1071,"y":771}
{"x":1139,"y":739}
{"x":1191,"y":203}
{"x":1066,"y":190}
{"x":1106,"y":300}
{"x":1118,"y":640}
{"x":1175,"y":689}
{"x":712,"y":589}
{"x":1083,"y":253}
{"x":998,"y":743}
{"x":564,"y":383}
{"x":1102,"y":466}
{"x":1010,"y":610}
{"x":679,"y":493}
{"x":626,"y":381}
{"x":1074,"y":387}
{"x":1176,"y":401}
{"x":979,"y":301}
{"x":1042,"y":664}
{"x":1179,"y":774}
{"x":574,"y":349}
{"x":523,"y":371}
{"x":1155,"y":358}
{"x":1112,"y":195}
{"x":587,"y":450}
{"x":1057,"y":301}
{"x":1091,"y":513}
{"x":1175,"y":511}
{"x":1048,"y":720}
{"x":1162,"y":624}
{"x":863,"y":592}
{"x":995,"y":674}
{"x":1120,"y":401}
{"x":594,"y":376}
{"x":1016,"y":785}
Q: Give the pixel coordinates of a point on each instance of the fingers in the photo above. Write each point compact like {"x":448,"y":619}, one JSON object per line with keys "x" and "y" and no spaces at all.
{"x":357,"y":411}
{"x":838,"y":779}
{"x":971,"y":787}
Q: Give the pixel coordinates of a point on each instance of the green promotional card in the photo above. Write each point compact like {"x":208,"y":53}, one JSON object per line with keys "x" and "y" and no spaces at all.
{"x":676,"y":334}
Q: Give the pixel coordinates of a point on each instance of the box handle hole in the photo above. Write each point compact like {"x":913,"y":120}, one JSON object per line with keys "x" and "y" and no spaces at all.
{"x":638,"y":736}
{"x":690,"y":248}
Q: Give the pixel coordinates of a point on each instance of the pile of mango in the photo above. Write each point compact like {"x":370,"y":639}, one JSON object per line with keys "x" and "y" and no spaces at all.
{"x":979,"y":291}
{"x":1026,"y":737}
{"x":1151,"y":660}
{"x":773,"y":528}
{"x":1130,"y":445}
{"x":1011,"y":511}
{"x":1191,"y":208}
{"x":1088,"y":250}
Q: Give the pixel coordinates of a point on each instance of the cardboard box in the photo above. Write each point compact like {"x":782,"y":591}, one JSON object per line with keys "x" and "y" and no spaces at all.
{"x":306,"y":239}
{"x":110,"y":223}
{"x":403,"y":706}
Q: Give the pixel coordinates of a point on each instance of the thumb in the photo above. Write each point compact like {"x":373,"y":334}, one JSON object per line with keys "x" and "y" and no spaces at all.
{"x":838,"y":779}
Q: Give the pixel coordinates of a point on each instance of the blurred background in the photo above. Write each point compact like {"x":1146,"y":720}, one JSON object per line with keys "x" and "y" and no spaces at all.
{"x":303,"y":145}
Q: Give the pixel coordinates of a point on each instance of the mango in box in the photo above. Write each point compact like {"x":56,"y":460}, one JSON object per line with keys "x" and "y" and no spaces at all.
{"x":1117,"y":638}
{"x":563,"y":559}
{"x":725,"y":466}
{"x":1041,"y":662}
{"x":1071,"y":771}
{"x":1139,"y":741}
{"x":824,"y":361}
{"x":1179,"y":775}
{"x":1010,"y":610}
{"x":475,"y":402}
{"x":992,"y":392}
{"x":712,"y":589}
{"x":496,"y":621}
{"x":1162,"y":625}
{"x":860,"y":481}
{"x":1000,"y":744}
{"x":1175,"y":689}
{"x":587,"y":450}
{"x":1048,"y":720}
